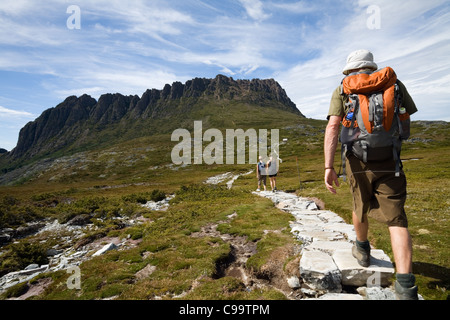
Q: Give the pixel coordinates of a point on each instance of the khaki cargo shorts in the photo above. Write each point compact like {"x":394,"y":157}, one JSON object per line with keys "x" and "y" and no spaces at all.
{"x":377,"y":191}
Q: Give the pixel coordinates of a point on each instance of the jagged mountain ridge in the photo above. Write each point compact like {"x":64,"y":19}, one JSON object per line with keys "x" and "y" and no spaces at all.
{"x":78,"y":119}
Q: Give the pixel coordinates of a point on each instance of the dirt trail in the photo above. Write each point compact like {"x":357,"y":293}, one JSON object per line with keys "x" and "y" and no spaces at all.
{"x":241,"y":250}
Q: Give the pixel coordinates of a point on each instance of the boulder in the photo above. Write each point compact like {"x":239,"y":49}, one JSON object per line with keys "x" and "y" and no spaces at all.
{"x":293,"y":282}
{"x":32,"y":266}
{"x":27,"y":230}
{"x":53,"y":252}
{"x":4,"y":238}
{"x":80,"y":220}
{"x":319,"y":271}
{"x":377,"y":293}
{"x":106,"y":248}
{"x":286,"y":204}
{"x":145,"y":272}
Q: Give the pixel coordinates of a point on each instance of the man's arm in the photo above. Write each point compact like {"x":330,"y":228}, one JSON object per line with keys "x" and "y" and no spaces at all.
{"x":330,"y":145}
{"x":408,"y":102}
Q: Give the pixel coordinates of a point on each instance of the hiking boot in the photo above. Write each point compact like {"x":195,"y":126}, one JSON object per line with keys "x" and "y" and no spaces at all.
{"x":405,"y":293}
{"x":361,"y":255}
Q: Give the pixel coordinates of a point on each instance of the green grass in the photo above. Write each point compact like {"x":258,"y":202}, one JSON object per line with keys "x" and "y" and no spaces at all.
{"x":254,"y":218}
{"x":179,"y":258}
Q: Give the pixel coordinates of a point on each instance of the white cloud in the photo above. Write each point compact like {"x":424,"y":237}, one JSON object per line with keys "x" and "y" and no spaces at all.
{"x":120,"y":80}
{"x":299,"y":7}
{"x":255,"y":9}
{"x":134,"y":17}
{"x":114,"y":37}
{"x":10,"y":113}
{"x":11,"y":122}
{"x":43,"y":23}
{"x":15,"y":7}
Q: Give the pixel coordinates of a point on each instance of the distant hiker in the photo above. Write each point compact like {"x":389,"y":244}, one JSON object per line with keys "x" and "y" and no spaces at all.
{"x":261,"y":174}
{"x":272,"y":170}
{"x":374,"y":108}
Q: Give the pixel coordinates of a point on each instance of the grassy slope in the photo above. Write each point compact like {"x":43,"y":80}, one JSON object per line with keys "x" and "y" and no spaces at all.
{"x":140,"y":165}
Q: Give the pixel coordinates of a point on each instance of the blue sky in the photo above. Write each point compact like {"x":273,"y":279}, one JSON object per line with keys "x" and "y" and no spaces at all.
{"x":131,"y":46}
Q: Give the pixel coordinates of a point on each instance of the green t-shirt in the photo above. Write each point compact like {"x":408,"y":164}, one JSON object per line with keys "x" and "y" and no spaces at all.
{"x":338,"y":101}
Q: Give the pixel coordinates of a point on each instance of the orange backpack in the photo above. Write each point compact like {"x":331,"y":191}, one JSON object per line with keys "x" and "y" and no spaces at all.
{"x":375,"y":123}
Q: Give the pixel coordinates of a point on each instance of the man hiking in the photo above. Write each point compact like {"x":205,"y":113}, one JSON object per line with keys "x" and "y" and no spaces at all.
{"x":371,"y":137}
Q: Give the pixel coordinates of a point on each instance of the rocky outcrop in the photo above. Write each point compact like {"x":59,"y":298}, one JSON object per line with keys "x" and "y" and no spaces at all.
{"x":69,"y":123}
{"x":69,"y":253}
{"x":51,"y":130}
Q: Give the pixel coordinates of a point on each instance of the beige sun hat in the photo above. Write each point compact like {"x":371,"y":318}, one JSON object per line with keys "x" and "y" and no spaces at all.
{"x":359,"y":59}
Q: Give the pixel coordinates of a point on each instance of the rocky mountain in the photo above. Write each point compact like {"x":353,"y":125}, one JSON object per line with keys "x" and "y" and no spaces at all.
{"x":83,"y":122}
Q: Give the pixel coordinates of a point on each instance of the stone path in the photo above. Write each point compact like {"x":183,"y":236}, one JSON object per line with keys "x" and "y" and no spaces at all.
{"x":327,"y":266}
{"x":226,"y":176}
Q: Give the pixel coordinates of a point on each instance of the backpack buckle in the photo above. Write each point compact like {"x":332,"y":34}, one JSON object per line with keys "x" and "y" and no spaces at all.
{"x":377,"y":128}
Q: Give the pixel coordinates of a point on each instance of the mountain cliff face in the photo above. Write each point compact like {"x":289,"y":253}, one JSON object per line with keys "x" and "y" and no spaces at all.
{"x":44,"y":131}
{"x":79,"y":119}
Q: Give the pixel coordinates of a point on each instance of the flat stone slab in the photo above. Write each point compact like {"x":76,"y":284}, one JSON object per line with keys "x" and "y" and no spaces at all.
{"x":330,"y":216}
{"x":347,"y":229}
{"x":301,"y":213}
{"x":307,"y":218}
{"x":310,"y":233}
{"x":319,"y":235}
{"x":299,"y":227}
{"x":339,"y":296}
{"x":379,"y":273}
{"x":293,"y":204}
{"x":276,"y":197}
{"x":319,"y":271}
{"x":328,"y":246}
